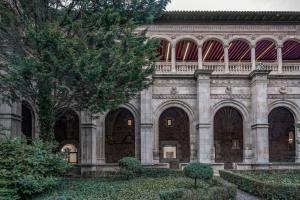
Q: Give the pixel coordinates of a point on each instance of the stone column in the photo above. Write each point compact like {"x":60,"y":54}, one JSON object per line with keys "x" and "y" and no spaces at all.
{"x":253,"y":57}
{"x":100,"y":135}
{"x":205,"y":137}
{"x":279,"y":58}
{"x":88,"y":142}
{"x":11,"y":119}
{"x":173,"y":59}
{"x":200,"y":62}
{"x":146,"y":127}
{"x":226,"y":58}
{"x":259,"y":105}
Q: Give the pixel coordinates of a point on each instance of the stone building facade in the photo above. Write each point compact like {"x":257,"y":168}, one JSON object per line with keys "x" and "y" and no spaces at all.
{"x":226,"y":92}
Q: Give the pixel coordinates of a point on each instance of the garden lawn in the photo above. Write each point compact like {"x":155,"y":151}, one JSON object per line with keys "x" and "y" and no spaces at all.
{"x":138,"y":188}
{"x":274,"y":176}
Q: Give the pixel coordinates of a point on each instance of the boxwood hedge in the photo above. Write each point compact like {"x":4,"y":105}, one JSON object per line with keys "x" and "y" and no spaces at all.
{"x":264,"y":189}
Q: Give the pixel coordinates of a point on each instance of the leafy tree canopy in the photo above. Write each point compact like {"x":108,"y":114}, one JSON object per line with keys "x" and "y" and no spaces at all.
{"x":75,"y":54}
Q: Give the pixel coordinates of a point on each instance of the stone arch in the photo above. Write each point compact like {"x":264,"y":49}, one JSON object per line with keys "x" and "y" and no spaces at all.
{"x":267,"y":37}
{"x":291,"y":49}
{"x":239,"y":50}
{"x":247,"y":139}
{"x":28,"y":125}
{"x":217,"y":38}
{"x":228,"y":136}
{"x":291,"y":106}
{"x":164,"y":37}
{"x":282,"y":135}
{"x":186,"y":48}
{"x":295,"y":110}
{"x":174,"y":137}
{"x":67,"y":130}
{"x":187,"y":37}
{"x":189,"y":111}
{"x":292,"y":38}
{"x":242,"y":38}
{"x":134,"y":131}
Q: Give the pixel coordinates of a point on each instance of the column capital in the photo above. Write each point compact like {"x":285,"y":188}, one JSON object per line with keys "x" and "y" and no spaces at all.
{"x":279,"y":46}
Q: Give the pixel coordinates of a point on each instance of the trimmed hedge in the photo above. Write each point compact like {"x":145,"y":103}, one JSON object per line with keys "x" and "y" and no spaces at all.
{"x":222,"y":190}
{"x":265,"y":190}
{"x":161,"y":172}
{"x":219,"y":190}
{"x":172,"y":194}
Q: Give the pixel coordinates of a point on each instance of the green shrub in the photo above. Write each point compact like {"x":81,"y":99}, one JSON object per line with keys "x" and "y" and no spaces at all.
{"x":172,"y":194}
{"x":130,"y":166}
{"x":221,"y":190}
{"x":31,"y":168}
{"x":198,"y":171}
{"x":261,"y":188}
{"x":161,"y":172}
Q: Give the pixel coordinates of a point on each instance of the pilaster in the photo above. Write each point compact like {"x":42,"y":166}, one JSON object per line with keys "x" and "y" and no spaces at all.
{"x":88,"y":142}
{"x":146,"y":127}
{"x":259,"y":108}
{"x":11,"y":119}
{"x":205,"y":137}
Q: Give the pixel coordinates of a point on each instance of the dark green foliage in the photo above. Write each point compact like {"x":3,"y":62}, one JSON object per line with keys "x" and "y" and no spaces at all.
{"x":221,"y":190}
{"x":172,"y":194}
{"x":264,"y":188}
{"x":77,"y":54}
{"x":198,"y":171}
{"x":130,"y":166}
{"x":31,"y":168}
{"x":161,"y":172}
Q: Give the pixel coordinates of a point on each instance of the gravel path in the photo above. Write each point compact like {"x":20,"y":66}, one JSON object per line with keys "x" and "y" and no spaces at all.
{"x":245,"y":196}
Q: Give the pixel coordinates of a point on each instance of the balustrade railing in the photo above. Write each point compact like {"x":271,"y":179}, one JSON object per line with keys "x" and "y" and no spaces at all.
{"x":186,"y":66}
{"x":214,"y":66}
{"x":272,"y":66}
{"x":163,"y":67}
{"x":219,"y":67}
{"x":291,"y":67}
{"x":239,"y":67}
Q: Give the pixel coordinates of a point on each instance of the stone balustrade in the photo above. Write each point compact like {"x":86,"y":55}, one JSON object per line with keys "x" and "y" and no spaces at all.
{"x":214,"y":66}
{"x":240,"y":67}
{"x":219,"y":67}
{"x":291,"y":67}
{"x":186,"y":66}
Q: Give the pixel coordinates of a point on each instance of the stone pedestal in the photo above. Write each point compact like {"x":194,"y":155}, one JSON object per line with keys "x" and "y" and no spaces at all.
{"x":146,"y":127}
{"x":88,"y":142}
{"x":205,"y":137}
{"x":259,"y":109}
{"x":11,"y":119}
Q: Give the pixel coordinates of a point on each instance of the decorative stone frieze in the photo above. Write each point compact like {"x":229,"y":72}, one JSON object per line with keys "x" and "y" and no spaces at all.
{"x":174,"y":96}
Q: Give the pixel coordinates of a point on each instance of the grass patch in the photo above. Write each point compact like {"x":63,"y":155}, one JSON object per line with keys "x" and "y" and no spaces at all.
{"x":138,"y":188}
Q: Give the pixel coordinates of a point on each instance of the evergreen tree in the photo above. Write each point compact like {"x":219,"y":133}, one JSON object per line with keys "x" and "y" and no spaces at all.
{"x":81,"y":54}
